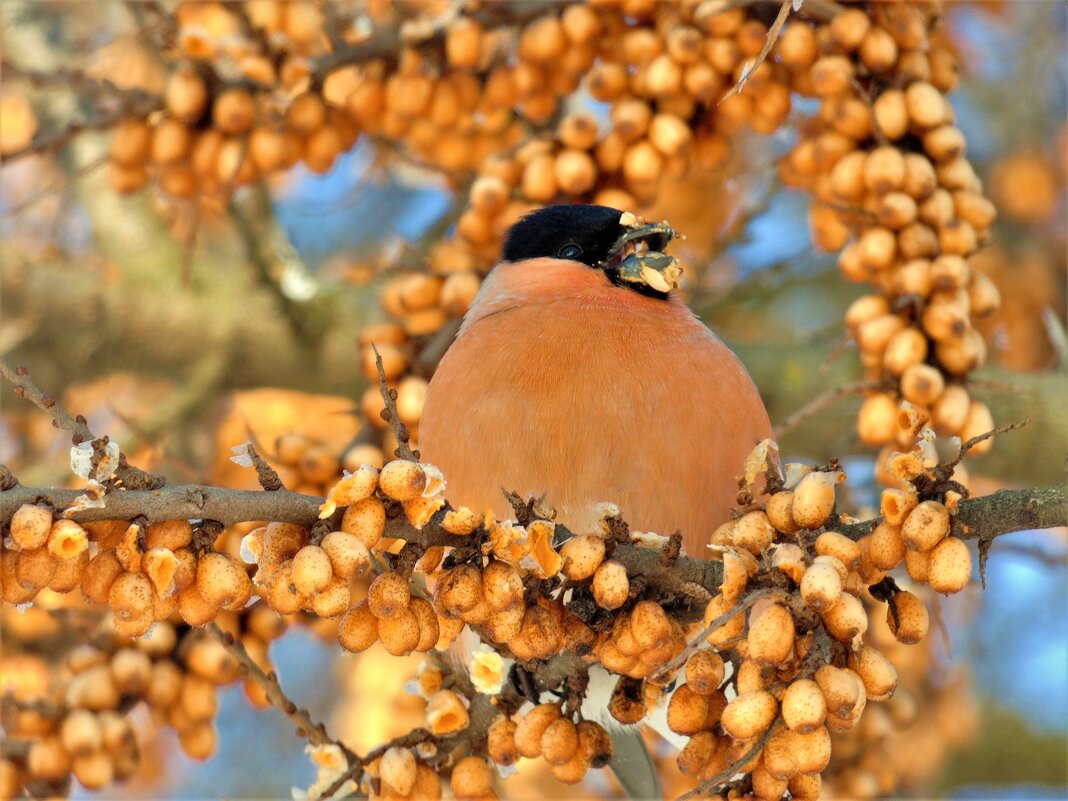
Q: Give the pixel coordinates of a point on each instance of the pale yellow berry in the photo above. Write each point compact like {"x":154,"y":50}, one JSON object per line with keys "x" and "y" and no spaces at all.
{"x":925,"y":526}
{"x":771,"y":633}
{"x":347,"y":553}
{"x":388,"y":595}
{"x":312,"y":570}
{"x":950,"y":566}
{"x":821,"y":587}
{"x":397,"y":770}
{"x":907,"y":617}
{"x":366,"y":520}
{"x":358,"y":629}
{"x":749,"y":714}
{"x":611,"y":587}
{"x":402,"y":480}
{"x":847,"y":619}
{"x":803,"y":706}
{"x":30,"y":526}
{"x":472,"y":778}
{"x":532,"y":726}
{"x":582,"y":556}
{"x":814,"y":499}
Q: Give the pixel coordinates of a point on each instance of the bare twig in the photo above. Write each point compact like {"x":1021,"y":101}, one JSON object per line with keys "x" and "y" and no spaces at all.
{"x":726,"y":774}
{"x":357,"y":765}
{"x":769,"y":42}
{"x":999,"y":513}
{"x":176,"y":502}
{"x":699,"y":639}
{"x":820,"y":403}
{"x":130,"y":476}
{"x":390,"y":415}
{"x":307,"y":728}
{"x":266,"y":474}
{"x":986,"y":518}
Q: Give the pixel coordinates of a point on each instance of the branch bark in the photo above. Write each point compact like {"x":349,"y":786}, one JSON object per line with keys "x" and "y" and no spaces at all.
{"x":983,"y":518}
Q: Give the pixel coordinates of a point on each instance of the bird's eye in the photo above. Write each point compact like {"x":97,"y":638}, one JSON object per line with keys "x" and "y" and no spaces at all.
{"x":571,"y":251}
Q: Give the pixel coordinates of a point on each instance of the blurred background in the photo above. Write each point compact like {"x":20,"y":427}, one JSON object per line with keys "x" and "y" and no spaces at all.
{"x":182,"y":327}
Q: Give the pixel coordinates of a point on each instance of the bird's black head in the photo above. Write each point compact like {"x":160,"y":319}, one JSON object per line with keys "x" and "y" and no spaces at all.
{"x":579,"y":233}
{"x":624,"y":247}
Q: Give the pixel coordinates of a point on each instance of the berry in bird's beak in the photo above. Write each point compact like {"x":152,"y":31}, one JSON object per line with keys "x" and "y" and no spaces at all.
{"x":637,"y":260}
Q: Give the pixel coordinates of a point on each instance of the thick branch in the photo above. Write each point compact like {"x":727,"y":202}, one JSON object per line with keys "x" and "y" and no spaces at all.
{"x":983,"y":518}
{"x":176,"y":502}
{"x":1001,"y":512}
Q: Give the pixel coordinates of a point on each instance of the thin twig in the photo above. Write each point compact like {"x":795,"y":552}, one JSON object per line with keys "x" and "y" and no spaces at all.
{"x":731,"y":769}
{"x":819,"y":403}
{"x":357,"y":765}
{"x":699,"y":639}
{"x":267,"y":475}
{"x":307,"y":728}
{"x":769,"y":42}
{"x":130,"y":476}
{"x":390,"y":415}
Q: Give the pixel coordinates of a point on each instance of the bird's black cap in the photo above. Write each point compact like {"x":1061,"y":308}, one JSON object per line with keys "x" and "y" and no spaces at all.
{"x":627,"y":249}
{"x":582,"y":233}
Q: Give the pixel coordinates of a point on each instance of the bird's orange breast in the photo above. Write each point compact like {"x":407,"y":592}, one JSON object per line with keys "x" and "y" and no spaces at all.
{"x":564,"y":384}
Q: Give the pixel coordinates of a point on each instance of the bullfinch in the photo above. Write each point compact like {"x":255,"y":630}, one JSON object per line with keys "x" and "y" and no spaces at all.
{"x":578,"y":375}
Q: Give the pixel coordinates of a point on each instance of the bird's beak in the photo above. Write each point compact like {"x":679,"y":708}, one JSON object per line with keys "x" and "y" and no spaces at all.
{"x":637,"y":259}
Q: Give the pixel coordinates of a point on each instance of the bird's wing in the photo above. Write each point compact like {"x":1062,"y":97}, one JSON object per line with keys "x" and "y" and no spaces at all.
{"x":633,"y":766}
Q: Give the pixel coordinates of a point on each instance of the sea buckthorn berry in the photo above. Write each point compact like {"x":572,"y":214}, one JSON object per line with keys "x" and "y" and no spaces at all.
{"x":780,"y":512}
{"x":847,"y":619}
{"x":730,"y":629}
{"x":358,"y":629}
{"x":753,"y":532}
{"x":347,"y":554}
{"x":907,"y":617}
{"x":532,"y":726}
{"x":366,"y":520}
{"x":771,"y":633}
{"x":402,"y":480}
{"x":595,"y":744}
{"x":876,"y":671}
{"x":458,"y":591}
{"x":559,"y":741}
{"x":311,"y":570}
{"x":582,"y":556}
{"x":222,"y":580}
{"x":687,"y":711}
{"x":500,"y":741}
{"x":30,"y":526}
{"x":388,"y":595}
{"x":814,"y":499}
{"x":950,"y":566}
{"x":925,"y":526}
{"x":749,"y":714}
{"x":611,"y":587}
{"x":397,"y":770}
{"x":803,"y":706}
{"x":650,"y":625}
{"x":502,"y":585}
{"x":472,"y":778}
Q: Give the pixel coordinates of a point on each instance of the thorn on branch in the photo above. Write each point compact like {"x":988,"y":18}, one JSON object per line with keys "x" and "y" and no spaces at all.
{"x":267,"y":475}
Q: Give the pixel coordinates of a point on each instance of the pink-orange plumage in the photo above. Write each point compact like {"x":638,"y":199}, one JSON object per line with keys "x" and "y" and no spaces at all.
{"x":564,"y":383}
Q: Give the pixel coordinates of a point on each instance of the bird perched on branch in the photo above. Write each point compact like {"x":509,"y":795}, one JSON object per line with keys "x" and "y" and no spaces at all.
{"x":578,"y":375}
